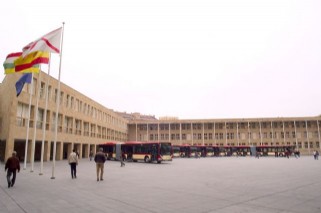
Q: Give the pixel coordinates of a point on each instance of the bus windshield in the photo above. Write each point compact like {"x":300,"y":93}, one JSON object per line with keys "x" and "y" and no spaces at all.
{"x":165,"y":148}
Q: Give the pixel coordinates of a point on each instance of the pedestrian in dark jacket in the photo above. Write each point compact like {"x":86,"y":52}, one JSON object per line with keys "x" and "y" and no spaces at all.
{"x":12,"y":165}
{"x":100,"y":159}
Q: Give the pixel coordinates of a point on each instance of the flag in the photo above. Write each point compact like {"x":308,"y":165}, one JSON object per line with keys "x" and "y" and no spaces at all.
{"x":15,"y":62}
{"x":9,"y":62}
{"x":27,"y":64}
{"x":47,"y":43}
{"x":26,"y":78}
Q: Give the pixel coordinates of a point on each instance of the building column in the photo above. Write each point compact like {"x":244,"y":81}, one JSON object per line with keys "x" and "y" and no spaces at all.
{"x":180,"y":133}
{"x":169,"y":132}
{"x":225,"y":134}
{"x":214,"y":134}
{"x":296,"y":137}
{"x":158,"y":135}
{"x":147,"y":133}
{"x":46,"y":151}
{"x":283,"y":133}
{"x":203,"y":135}
{"x":272,"y":132}
{"x":237,"y":133}
{"x":248,"y":132}
{"x":192,"y":133}
{"x":261,"y":133}
{"x":319,"y":134}
{"x":306,"y":129}
{"x":136,"y":132}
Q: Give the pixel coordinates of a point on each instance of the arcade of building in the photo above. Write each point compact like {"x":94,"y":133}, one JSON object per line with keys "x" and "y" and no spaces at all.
{"x":83,"y":124}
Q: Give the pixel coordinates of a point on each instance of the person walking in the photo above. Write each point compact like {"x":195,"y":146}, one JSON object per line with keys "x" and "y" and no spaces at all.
{"x":121,"y":159}
{"x":315,"y":154}
{"x":91,"y":155}
{"x":73,"y":162}
{"x":100,"y":159}
{"x":12,"y":165}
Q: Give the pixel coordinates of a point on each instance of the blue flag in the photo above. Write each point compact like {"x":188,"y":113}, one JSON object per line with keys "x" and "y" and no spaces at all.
{"x":26,"y":78}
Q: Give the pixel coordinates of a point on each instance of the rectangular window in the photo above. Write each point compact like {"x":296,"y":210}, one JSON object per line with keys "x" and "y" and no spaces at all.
{"x":177,"y":136}
{"x":199,"y":136}
{"x":183,"y":136}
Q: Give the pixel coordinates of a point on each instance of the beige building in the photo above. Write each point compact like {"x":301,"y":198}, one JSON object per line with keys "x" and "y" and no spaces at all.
{"x":84,"y":123}
{"x":301,"y":132}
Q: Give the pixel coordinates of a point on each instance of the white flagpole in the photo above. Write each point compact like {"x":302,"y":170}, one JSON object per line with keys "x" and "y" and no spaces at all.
{"x":35,"y":123}
{"x":28,"y":122}
{"x":57,"y":107}
{"x":44,"y":120}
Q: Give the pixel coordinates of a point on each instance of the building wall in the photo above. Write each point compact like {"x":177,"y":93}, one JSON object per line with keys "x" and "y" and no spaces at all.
{"x":82,"y":122}
{"x":303,"y":132}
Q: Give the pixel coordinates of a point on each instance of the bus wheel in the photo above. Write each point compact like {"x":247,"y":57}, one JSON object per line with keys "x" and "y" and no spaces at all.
{"x":146,"y":159}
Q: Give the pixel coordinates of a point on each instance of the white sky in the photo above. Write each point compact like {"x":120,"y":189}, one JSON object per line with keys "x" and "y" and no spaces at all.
{"x":185,"y":58}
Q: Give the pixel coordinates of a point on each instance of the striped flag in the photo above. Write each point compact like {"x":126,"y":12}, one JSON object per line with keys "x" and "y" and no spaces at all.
{"x":9,"y":62}
{"x":15,"y":62}
{"x":29,"y":61}
{"x":47,"y":43}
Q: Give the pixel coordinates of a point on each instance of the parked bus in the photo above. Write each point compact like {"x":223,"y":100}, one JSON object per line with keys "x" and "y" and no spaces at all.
{"x":147,"y":151}
{"x":187,"y":150}
{"x":243,"y":150}
{"x":205,"y":151}
{"x":277,"y":151}
{"x":176,"y":151}
{"x":112,"y":150}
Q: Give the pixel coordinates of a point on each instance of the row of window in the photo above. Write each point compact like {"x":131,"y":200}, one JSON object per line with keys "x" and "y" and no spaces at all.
{"x":241,"y":125}
{"x":300,"y":145}
{"x":67,"y":124}
{"x":232,"y":135}
{"x":76,"y":105}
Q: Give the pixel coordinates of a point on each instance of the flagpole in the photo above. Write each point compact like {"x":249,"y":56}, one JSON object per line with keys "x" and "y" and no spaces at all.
{"x":35,"y":123}
{"x":28,"y":122}
{"x":44,"y":120}
{"x":57,"y":106}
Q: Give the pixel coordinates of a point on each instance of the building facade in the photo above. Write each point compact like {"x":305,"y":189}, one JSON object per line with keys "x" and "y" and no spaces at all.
{"x":303,"y":133}
{"x":82,"y":122}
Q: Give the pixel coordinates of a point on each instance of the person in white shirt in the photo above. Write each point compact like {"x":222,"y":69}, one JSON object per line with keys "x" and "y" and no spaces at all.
{"x":73,"y":162}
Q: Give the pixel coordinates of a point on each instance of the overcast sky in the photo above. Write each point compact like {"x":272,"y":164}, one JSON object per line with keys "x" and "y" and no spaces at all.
{"x":193,"y":59}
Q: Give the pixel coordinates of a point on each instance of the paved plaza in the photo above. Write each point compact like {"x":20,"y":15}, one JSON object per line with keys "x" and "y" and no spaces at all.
{"x":225,"y":184}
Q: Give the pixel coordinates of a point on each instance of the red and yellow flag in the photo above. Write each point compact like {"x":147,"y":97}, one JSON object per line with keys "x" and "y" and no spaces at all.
{"x":29,"y":64}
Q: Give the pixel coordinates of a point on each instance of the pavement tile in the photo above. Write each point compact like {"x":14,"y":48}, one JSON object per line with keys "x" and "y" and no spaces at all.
{"x":184,"y":185}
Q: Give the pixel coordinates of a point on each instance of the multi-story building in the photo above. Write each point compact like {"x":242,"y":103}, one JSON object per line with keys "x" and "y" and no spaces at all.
{"x":83,"y":124}
{"x":301,"y":132}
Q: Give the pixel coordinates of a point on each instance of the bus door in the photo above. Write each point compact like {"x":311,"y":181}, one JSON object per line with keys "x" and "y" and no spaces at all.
{"x":253,"y":150}
{"x":154,"y":152}
{"x":118,"y":151}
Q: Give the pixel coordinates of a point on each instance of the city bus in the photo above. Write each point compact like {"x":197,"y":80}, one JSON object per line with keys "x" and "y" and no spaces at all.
{"x":176,"y":151}
{"x":187,"y":150}
{"x":243,"y":150}
{"x":205,"y":151}
{"x":111,"y":150}
{"x":147,"y":151}
{"x":277,"y":151}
